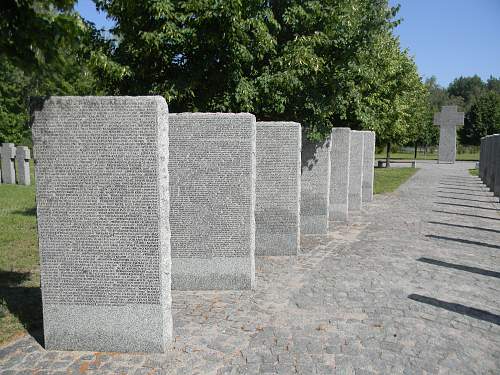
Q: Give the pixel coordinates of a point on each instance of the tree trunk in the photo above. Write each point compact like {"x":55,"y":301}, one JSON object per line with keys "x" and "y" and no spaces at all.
{"x":415,"y":151}
{"x":388,"y":156}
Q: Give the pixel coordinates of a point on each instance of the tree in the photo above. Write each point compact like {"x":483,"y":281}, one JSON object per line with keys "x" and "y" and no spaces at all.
{"x":391,"y":95}
{"x":482,"y":119}
{"x":278,"y":59}
{"x":47,"y":49}
{"x":31,"y":31}
{"x":13,"y":103}
{"x":467,"y":88}
{"x":493,"y":84}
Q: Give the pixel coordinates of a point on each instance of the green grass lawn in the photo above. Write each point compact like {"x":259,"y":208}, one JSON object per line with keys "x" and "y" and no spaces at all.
{"x":20,"y":299}
{"x":471,"y":156}
{"x":389,"y":179}
{"x":474,"y":171}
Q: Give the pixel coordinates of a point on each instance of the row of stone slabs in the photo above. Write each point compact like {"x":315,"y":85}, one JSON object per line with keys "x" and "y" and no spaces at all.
{"x":133,"y":202}
{"x":489,"y":162}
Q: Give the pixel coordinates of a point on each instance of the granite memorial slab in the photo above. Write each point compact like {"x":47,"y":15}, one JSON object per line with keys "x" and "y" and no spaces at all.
{"x":368,"y":165}
{"x":103,"y":222}
{"x":356,"y":156}
{"x":212,"y":185}
{"x":339,"y":175}
{"x":315,"y":186}
{"x":277,"y":205}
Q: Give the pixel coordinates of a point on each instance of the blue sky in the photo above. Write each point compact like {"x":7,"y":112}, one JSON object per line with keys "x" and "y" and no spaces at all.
{"x":448,"y":38}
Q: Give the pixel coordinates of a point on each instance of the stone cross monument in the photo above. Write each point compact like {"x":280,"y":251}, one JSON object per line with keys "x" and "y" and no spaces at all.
{"x":8,"y":151}
{"x":447,"y":120}
{"x":23,"y":165}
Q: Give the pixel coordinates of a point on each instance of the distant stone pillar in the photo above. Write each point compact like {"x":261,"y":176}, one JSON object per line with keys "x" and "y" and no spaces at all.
{"x":212,"y":184}
{"x":315,"y":186}
{"x":277,"y":205}
{"x":482,"y":160}
{"x":8,"y":172}
{"x":356,"y":171}
{"x":103,"y":223}
{"x":339,"y":178}
{"x":496,"y":187}
{"x":23,"y":165}
{"x":491,"y":162}
{"x":368,"y":165}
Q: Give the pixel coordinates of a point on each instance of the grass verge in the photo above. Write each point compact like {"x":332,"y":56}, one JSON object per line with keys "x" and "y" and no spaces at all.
{"x":472,"y":156}
{"x":20,"y":298}
{"x":389,"y":179}
{"x":474,"y":172}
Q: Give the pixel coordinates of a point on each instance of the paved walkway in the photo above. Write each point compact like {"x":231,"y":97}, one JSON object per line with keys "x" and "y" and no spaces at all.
{"x":411,"y":286}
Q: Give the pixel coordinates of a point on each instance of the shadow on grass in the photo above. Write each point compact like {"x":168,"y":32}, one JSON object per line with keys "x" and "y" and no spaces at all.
{"x":23,"y":302}
{"x":27,"y":212}
{"x":458,"y":308}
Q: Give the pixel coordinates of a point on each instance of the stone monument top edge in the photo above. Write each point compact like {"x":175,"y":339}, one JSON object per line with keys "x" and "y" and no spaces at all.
{"x":280,"y":123}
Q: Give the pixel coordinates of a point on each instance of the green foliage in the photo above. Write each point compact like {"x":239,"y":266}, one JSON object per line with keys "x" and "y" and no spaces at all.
{"x":321,"y":63}
{"x":482,"y":119}
{"x":13,"y":93}
{"x":474,"y":172}
{"x":467,"y":88}
{"x":31,"y":31}
{"x":289,"y":60}
{"x":47,"y":49}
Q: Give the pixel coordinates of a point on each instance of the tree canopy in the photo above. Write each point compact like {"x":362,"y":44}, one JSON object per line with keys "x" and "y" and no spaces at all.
{"x":321,"y":63}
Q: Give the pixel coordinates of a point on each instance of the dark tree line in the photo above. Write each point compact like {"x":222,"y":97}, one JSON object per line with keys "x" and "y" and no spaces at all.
{"x":322,"y":63}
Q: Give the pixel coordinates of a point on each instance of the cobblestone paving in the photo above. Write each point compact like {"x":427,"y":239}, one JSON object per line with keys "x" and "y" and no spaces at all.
{"x":410,"y":286}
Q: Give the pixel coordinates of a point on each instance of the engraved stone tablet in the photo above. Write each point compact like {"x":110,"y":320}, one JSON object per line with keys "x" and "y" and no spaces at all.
{"x":23,"y":165}
{"x":482,"y":158}
{"x":339,"y":179}
{"x":315,"y":186}
{"x":103,"y":206}
{"x":491,"y":160}
{"x":496,"y":170}
{"x":484,"y":164}
{"x":277,"y":224}
{"x":368,"y":165}
{"x":8,"y":152}
{"x":212,"y":185}
{"x":447,"y":120}
{"x":356,"y":171}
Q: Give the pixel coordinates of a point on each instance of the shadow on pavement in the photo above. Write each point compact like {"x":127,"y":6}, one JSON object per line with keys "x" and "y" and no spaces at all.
{"x":464,"y":226}
{"x":461,"y":240}
{"x":465,"y":199}
{"x":458,"y":308}
{"x":460,"y":267}
{"x":468,"y":206}
{"x":469,"y":215}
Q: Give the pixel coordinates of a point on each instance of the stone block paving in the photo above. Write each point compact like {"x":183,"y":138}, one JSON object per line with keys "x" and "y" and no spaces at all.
{"x":410,"y":286}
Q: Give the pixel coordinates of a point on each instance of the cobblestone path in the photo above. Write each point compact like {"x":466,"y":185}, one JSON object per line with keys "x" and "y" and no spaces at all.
{"x":410,"y":286}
